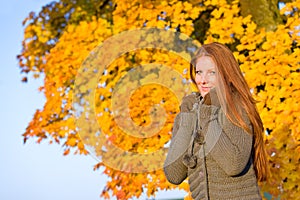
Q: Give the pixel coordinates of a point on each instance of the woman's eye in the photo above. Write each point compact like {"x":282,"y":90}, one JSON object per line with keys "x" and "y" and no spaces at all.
{"x":198,"y":72}
{"x":212,"y":73}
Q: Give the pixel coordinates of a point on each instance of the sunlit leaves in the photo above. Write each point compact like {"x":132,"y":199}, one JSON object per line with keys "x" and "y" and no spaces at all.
{"x":174,"y":15}
{"x":56,"y":120}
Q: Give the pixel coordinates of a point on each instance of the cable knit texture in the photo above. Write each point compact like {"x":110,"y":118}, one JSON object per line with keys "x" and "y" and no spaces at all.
{"x":174,"y":168}
{"x":224,"y":167}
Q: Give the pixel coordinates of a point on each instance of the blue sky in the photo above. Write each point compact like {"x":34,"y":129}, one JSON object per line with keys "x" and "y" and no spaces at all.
{"x":36,"y":171}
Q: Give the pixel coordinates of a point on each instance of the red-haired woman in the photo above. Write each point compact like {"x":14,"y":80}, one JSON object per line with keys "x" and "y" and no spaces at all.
{"x":217,"y":137}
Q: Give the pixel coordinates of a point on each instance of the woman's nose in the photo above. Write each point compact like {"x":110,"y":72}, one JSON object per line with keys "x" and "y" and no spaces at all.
{"x":203,"y":78}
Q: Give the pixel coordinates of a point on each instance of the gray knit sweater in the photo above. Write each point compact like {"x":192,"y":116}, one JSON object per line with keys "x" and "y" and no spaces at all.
{"x":219,"y":162}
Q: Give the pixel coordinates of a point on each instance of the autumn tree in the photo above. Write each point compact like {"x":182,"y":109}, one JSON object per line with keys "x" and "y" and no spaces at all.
{"x":58,"y":41}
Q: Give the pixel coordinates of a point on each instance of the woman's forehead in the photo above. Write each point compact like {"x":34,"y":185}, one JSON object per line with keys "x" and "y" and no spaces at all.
{"x":205,"y":62}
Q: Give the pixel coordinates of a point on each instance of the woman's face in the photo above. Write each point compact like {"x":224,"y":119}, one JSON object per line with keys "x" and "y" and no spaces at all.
{"x":205,"y":74}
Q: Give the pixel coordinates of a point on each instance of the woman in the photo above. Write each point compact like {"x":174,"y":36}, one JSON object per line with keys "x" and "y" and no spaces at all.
{"x":217,"y":137}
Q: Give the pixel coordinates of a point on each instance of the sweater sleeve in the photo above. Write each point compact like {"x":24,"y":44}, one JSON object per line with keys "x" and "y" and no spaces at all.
{"x":229,"y":145}
{"x":174,"y":168}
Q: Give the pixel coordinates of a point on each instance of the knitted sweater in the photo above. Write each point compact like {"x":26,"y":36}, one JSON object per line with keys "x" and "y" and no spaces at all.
{"x":220,"y":164}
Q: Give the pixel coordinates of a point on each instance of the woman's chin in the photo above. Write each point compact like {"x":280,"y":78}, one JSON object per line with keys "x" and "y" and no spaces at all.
{"x":203,"y":93}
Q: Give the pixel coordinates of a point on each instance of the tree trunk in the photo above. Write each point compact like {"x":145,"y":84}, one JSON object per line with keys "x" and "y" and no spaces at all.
{"x":265,"y":13}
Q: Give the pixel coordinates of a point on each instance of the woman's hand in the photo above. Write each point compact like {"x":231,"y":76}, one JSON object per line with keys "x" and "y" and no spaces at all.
{"x":211,"y":98}
{"x":189,"y":101}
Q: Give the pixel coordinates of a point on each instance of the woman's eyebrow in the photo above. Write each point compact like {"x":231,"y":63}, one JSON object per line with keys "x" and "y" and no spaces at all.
{"x":210,"y":69}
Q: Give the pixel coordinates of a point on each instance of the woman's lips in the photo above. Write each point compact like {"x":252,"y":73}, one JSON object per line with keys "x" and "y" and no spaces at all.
{"x":205,"y":89}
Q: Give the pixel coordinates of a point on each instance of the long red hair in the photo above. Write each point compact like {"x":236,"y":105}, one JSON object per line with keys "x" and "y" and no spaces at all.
{"x":235,"y":99}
